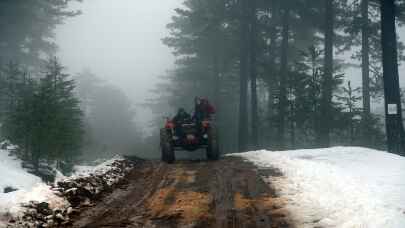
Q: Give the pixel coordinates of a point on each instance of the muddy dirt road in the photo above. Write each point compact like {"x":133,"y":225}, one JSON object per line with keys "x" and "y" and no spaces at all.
{"x":227,"y":194}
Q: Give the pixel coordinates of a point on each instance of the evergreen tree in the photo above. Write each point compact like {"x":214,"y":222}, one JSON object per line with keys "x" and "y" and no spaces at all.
{"x":349,"y":100}
{"x":45,"y":119}
{"x":326,"y":116}
{"x":286,"y":47}
{"x":64,"y":116}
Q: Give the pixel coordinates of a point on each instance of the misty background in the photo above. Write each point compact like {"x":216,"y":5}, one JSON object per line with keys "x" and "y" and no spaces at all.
{"x":122,"y":66}
{"x":120,"y":42}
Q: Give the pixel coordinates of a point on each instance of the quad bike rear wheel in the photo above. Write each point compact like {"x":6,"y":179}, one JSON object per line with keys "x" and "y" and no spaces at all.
{"x":213,"y":144}
{"x":166,"y":147}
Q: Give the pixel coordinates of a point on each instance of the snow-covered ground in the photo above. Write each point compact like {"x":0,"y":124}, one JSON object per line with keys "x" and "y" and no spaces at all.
{"x":102,"y":167}
{"x":31,"y":188}
{"x":339,"y":187}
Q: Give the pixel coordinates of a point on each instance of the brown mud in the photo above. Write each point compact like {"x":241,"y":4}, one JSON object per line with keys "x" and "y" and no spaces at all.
{"x":228,"y":194}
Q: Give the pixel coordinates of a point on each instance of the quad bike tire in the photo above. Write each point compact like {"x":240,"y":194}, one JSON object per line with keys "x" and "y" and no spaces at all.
{"x":213,"y":145}
{"x":166,"y":147}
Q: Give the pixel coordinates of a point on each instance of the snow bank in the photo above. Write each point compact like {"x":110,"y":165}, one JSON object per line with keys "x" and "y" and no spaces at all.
{"x":339,"y":187}
{"x":13,"y":175}
{"x":102,"y":167}
{"x":26,"y":187}
{"x":29,"y":187}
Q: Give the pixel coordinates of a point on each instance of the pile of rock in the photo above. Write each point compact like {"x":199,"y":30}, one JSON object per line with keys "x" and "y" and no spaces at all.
{"x":79,"y":192}
{"x":39,"y":214}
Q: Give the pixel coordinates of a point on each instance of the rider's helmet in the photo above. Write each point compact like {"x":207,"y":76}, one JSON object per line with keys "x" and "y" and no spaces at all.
{"x":197,"y":100}
{"x":181,"y":111}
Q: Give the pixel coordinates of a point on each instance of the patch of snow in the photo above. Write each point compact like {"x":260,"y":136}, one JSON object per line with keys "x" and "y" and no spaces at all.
{"x":87,"y":170}
{"x":338,"y":187}
{"x":29,"y":188}
{"x":13,"y":175}
{"x":11,"y":202}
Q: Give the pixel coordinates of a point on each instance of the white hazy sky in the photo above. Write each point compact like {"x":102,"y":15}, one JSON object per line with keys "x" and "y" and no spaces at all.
{"x":120,"y":41}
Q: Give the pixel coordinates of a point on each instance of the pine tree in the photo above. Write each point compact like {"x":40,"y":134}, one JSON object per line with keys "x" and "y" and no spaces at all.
{"x":27,"y":31}
{"x":61,"y":123}
{"x":44,"y":117}
{"x":326,"y":116}
{"x":349,"y":101}
{"x":17,"y":118}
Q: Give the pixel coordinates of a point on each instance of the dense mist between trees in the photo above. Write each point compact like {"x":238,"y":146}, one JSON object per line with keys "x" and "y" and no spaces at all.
{"x":84,"y":80}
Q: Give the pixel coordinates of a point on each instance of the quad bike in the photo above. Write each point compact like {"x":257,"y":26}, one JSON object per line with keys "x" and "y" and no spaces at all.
{"x":191,"y":138}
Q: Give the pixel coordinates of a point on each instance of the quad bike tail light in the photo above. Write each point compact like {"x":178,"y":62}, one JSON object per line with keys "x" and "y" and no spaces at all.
{"x":169,"y":125}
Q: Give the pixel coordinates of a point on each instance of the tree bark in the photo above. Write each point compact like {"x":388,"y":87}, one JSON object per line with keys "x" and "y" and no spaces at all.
{"x":365,"y":70}
{"x":243,"y":111}
{"x":393,"y":109}
{"x":253,"y":75}
{"x":283,"y":78}
{"x":272,"y":79}
{"x":326,"y":102}
{"x":271,"y":88}
{"x":218,"y":58}
{"x":216,"y":74}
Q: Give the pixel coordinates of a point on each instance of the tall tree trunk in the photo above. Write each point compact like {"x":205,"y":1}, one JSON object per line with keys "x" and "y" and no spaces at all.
{"x":365,"y":70}
{"x":243,"y":110}
{"x":216,"y":75}
{"x":283,"y":78}
{"x":292,"y":125}
{"x":219,"y":69}
{"x":219,"y":52}
{"x":393,"y":109}
{"x":272,"y":79}
{"x":253,"y":75}
{"x":271,"y":88}
{"x":326,"y":102}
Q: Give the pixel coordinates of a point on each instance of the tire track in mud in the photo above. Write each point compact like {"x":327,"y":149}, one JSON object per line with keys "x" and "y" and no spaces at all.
{"x":228,"y":193}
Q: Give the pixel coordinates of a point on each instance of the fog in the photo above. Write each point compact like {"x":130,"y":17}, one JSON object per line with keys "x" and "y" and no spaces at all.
{"x":120,"y":41}
{"x":271,"y":80}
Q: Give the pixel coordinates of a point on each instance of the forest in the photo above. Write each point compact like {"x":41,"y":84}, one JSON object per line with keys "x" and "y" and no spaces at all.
{"x":282,"y":75}
{"x":202,"y":113}
{"x":277,"y":71}
{"x":54,"y":117}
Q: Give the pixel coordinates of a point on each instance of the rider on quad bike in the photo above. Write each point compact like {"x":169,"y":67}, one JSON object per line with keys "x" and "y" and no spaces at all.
{"x":190,"y":134}
{"x":179,"y":119}
{"x":203,"y":109}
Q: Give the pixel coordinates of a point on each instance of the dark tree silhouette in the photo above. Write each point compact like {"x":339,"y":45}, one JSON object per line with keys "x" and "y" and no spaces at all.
{"x":393,"y":110}
{"x":324,"y":137}
{"x":243,"y":101}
